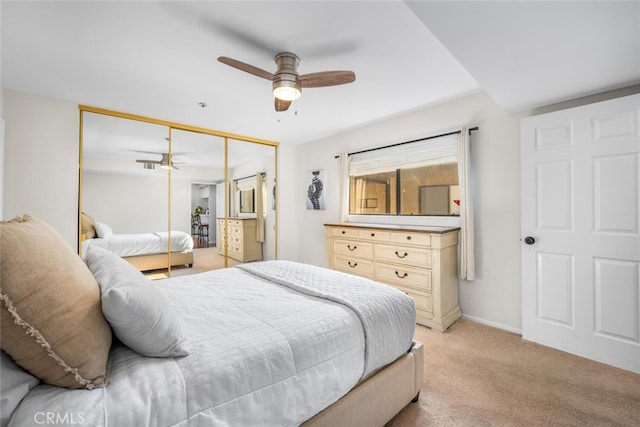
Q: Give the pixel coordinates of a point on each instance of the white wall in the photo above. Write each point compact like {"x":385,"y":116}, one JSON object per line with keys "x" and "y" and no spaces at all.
{"x":2,"y":154}
{"x":128,"y":204}
{"x":494,"y":296}
{"x":41,"y":161}
{"x":1,"y":167}
{"x":288,"y":211}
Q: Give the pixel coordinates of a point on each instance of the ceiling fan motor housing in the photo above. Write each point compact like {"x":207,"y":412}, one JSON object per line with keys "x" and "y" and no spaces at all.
{"x":287,"y":72}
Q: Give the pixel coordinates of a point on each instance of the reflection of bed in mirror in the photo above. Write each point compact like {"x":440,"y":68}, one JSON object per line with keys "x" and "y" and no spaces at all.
{"x":146,"y":251}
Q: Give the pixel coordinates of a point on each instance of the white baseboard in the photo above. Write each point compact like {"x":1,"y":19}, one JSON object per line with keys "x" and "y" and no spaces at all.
{"x":493,"y":324}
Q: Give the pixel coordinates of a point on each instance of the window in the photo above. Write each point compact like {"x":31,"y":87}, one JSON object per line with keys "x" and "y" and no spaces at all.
{"x":416,"y":178}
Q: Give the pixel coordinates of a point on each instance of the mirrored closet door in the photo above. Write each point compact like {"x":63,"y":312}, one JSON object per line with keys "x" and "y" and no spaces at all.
{"x":165,"y":196}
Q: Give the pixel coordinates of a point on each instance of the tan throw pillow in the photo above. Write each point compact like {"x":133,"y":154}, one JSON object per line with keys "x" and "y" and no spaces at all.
{"x":88,"y":226}
{"x":52,"y":322}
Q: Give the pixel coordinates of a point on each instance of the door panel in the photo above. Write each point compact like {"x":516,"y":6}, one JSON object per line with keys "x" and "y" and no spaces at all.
{"x":616,"y":211}
{"x":555,"y":195}
{"x":581,"y":205}
{"x":555,"y":288}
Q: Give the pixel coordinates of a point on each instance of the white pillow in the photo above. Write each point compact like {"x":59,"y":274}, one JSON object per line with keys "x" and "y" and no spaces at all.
{"x":103,"y":231}
{"x":15,"y":383}
{"x":139,"y":313}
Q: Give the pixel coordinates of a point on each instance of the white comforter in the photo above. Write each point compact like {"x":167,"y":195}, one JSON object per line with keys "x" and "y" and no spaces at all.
{"x":262,"y":353}
{"x":142,"y":243}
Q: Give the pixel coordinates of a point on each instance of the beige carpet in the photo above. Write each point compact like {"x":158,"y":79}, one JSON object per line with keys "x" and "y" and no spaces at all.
{"x":476,"y":375}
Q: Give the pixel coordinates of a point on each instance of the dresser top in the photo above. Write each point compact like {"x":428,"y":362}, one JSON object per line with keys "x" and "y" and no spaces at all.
{"x":418,"y":228}
{"x":237,"y":217}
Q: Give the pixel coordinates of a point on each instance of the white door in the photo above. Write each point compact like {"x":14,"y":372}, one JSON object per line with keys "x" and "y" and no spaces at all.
{"x":581,"y":231}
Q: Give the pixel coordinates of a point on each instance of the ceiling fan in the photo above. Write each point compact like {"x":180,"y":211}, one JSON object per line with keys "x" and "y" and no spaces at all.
{"x":165,"y":162}
{"x":287,"y":83}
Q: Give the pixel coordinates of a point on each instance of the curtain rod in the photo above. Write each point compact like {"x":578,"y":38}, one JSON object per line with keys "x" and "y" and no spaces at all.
{"x":250,"y":176}
{"x":408,"y":142}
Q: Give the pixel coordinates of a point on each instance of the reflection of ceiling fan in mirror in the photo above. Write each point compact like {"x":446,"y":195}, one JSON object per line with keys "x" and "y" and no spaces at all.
{"x":287,"y":83}
{"x":165,"y":162}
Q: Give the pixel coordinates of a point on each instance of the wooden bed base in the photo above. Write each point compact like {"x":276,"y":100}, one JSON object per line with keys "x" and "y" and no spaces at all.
{"x":376,"y":400}
{"x":160,"y":261}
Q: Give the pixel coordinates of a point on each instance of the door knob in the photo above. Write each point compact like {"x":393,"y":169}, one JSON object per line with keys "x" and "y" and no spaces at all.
{"x":529,"y":240}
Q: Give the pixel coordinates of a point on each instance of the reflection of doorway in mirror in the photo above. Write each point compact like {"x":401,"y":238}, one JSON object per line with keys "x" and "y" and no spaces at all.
{"x":203,"y":201}
{"x":316,"y":190}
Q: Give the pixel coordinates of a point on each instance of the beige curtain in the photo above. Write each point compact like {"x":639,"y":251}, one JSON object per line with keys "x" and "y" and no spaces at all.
{"x":344,"y":188}
{"x":261,"y":196}
{"x":233,"y":192}
{"x":467,"y":259}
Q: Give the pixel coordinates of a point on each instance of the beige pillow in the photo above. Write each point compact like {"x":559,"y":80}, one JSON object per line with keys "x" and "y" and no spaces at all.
{"x":88,"y":226}
{"x":52,"y":322}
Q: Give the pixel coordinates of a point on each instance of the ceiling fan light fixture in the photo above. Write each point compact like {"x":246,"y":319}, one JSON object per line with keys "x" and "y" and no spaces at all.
{"x":287,"y":90}
{"x":165,"y":163}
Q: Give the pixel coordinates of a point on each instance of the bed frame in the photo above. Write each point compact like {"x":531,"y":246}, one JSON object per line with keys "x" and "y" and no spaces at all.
{"x":377,"y":399}
{"x":159,"y":261}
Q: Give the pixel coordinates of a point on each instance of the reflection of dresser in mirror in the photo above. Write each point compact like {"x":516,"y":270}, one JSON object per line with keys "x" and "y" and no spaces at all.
{"x":241,"y":239}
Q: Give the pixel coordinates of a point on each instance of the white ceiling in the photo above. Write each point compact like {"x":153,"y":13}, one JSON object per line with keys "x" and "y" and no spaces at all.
{"x":158,"y":59}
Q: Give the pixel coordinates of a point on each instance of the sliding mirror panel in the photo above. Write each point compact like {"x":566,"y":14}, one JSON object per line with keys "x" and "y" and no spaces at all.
{"x":197,"y":176}
{"x":249,"y":222}
{"x":124,"y":186}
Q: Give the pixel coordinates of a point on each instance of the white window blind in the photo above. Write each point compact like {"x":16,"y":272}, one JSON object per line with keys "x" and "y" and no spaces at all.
{"x":246,"y":183}
{"x":405,"y":156}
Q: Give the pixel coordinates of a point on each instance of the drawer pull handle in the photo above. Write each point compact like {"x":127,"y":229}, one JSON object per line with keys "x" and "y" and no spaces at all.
{"x":355,"y":264}
{"x":405,"y":274}
{"x":343,"y":231}
{"x":373,"y":234}
{"x":352,"y":248}
{"x":408,"y":237}
{"x":401,"y":256}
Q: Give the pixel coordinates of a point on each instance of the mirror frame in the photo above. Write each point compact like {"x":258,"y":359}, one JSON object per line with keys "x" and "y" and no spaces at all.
{"x":184,"y":127}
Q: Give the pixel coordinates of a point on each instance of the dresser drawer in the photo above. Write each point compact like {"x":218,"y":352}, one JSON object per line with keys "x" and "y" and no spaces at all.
{"x":234,"y":230}
{"x":236,"y":241}
{"x":424,"y":300}
{"x":416,"y":278}
{"x":344,"y":232}
{"x":410,"y":238}
{"x":405,"y":255}
{"x":353,"y":248}
{"x":373,"y":235}
{"x":354,"y":266}
{"x":235,"y":250}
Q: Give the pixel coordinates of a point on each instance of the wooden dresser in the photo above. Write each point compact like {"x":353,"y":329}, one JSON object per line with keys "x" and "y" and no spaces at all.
{"x":241,"y":239}
{"x":421,"y":261}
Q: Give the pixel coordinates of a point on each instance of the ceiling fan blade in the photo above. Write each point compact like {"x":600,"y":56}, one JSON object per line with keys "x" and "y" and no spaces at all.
{"x":157,"y":162}
{"x":327,"y":78}
{"x":281,"y":105}
{"x":246,"y":68}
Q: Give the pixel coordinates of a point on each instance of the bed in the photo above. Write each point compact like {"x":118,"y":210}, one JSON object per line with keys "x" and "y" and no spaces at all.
{"x":271,"y":343}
